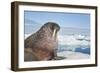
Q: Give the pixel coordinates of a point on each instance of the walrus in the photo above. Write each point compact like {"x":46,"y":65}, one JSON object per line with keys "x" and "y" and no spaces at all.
{"x":42,"y":45}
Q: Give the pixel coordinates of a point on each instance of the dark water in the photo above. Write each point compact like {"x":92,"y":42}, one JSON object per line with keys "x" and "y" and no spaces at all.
{"x":86,"y":50}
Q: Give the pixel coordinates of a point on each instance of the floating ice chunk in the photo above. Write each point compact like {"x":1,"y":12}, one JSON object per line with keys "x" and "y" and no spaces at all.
{"x":73,"y":40}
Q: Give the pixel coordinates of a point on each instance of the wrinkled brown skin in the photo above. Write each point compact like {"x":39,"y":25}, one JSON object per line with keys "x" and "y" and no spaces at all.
{"x":41,"y":45}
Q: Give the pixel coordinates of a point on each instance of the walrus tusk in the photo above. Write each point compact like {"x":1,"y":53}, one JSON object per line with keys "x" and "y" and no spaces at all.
{"x":54,"y":32}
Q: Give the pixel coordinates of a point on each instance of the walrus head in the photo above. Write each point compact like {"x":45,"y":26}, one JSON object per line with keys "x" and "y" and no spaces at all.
{"x":52,"y":27}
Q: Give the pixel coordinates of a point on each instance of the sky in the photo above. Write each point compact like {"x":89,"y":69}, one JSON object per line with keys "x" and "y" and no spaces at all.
{"x":74,"y":20}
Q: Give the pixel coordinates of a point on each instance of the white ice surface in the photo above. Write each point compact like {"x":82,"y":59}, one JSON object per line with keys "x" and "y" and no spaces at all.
{"x":73,"y":55}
